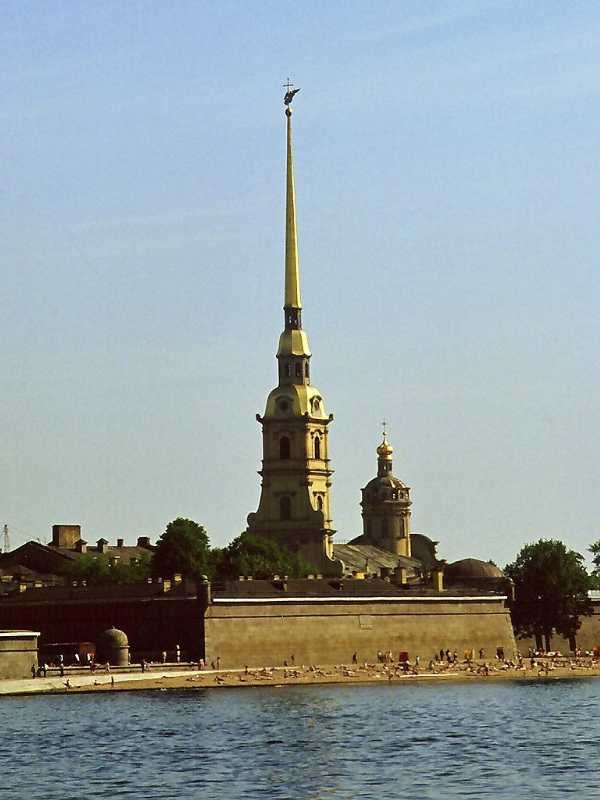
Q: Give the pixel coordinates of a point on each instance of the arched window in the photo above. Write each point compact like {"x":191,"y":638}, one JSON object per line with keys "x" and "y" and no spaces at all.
{"x":306,"y":370}
{"x":284,"y":447}
{"x":317,"y":447}
{"x":298,"y":369}
{"x":288,"y":370}
{"x":320,"y":503}
{"x":285,"y":508}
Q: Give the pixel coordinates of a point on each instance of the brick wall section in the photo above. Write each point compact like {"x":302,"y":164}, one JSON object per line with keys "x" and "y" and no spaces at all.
{"x":268,"y":633}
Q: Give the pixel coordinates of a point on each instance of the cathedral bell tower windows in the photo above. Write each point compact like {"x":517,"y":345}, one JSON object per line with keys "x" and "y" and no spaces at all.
{"x":317,"y":447}
{"x":285,"y":508}
{"x":284,"y":448}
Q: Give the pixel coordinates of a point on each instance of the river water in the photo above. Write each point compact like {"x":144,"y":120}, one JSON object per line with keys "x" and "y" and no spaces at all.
{"x":484,"y":740}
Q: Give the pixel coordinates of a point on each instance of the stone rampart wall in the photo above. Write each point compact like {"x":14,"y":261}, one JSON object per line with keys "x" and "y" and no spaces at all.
{"x":587,"y":638}
{"x":267,"y":633}
{"x":17,"y":654}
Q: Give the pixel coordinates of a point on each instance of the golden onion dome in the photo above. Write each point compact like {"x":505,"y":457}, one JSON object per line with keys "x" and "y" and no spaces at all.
{"x":385,"y":449}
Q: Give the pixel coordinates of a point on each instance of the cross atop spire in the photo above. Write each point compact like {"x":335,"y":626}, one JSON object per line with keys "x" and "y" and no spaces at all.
{"x":289,"y":95}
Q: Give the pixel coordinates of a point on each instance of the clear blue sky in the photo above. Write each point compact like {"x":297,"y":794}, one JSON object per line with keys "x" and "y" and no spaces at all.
{"x":448,"y":204}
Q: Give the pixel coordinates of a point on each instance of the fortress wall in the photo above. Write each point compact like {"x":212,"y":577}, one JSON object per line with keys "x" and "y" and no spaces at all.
{"x":18,"y":651}
{"x":587,"y":637}
{"x":267,"y":633}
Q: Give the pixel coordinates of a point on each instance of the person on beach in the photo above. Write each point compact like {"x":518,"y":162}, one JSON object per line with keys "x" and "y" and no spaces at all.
{"x":33,"y":671}
{"x":178,"y":654}
{"x":61,"y":670}
{"x":164,"y":656}
{"x":143,"y":664}
{"x":355,"y":658}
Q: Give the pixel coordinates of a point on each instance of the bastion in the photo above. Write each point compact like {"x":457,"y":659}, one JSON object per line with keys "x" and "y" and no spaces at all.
{"x":18,"y":652}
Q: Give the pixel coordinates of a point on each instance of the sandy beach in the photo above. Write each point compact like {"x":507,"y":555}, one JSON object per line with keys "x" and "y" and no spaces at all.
{"x":158,"y":679}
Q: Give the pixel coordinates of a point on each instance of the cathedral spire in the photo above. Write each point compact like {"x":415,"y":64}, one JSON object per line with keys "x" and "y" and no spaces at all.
{"x":293,"y":352}
{"x":292,"y":271}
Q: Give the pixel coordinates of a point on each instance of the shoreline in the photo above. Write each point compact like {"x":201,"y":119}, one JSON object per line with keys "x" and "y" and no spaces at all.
{"x":193,"y":679}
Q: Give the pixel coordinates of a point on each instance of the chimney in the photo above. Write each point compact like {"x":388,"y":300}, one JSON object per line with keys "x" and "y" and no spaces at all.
{"x":120,"y":542}
{"x":65,"y":536}
{"x":438,"y":579}
{"x":177,"y":578}
{"x":81,"y":546}
{"x":205,"y":592}
{"x":400,"y":576}
{"x":102,"y":545}
{"x":143,"y":541}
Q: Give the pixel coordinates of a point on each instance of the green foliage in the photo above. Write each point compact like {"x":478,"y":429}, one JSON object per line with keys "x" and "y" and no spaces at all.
{"x":260,"y":557}
{"x":183,"y":548}
{"x":101,"y":569}
{"x":595,"y":575}
{"x":551,"y":585}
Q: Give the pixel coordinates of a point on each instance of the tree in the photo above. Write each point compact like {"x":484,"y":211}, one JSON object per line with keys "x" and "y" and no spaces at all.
{"x":551,"y":585}
{"x":595,"y":576}
{"x":101,"y":569}
{"x":260,"y":557}
{"x":183,"y":548}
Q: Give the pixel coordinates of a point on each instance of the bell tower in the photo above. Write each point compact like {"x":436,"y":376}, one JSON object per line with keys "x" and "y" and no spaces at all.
{"x":295,"y":499}
{"x":386,"y":507}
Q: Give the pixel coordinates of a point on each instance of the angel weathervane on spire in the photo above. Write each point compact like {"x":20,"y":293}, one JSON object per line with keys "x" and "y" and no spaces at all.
{"x":290,"y":92}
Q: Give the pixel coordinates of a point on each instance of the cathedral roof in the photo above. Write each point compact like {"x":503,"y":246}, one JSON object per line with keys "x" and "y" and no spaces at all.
{"x":368,"y":558}
{"x":385,"y":481}
{"x":472,"y":568}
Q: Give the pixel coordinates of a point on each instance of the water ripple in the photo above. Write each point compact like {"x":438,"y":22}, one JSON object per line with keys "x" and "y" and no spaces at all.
{"x":305,"y":743}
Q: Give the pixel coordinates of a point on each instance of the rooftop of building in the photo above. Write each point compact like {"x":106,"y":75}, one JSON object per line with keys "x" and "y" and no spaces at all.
{"x":330,"y":588}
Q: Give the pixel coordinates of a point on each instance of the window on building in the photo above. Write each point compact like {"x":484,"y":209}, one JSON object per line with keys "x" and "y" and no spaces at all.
{"x":317,"y":447}
{"x":298,"y":369}
{"x":306,"y":370}
{"x":284,"y":447}
{"x":288,"y":370}
{"x":320,"y":503}
{"x":285,"y":508}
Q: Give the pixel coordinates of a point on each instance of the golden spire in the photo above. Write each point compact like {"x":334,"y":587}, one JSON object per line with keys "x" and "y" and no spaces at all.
{"x":292,"y":271}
